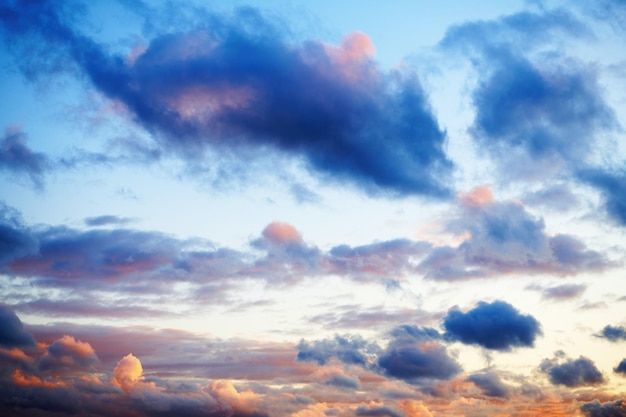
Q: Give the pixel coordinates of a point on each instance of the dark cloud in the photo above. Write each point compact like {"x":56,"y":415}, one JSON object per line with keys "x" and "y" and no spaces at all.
{"x":347,"y":349}
{"x":613,"y":333}
{"x":621,"y":367}
{"x":418,"y":361}
{"x":16,"y":240}
{"x":415,"y":354}
{"x":235,"y":83}
{"x":497,"y":325}
{"x":68,"y":354}
{"x":18,"y":159}
{"x":107,"y":220}
{"x":12,"y":333}
{"x":612,"y":187}
{"x":607,"y":409}
{"x":380,"y":411}
{"x":572,"y":372}
{"x":490,"y":384}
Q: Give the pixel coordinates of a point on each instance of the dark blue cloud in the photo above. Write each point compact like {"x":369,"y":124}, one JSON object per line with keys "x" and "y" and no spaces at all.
{"x":347,"y":349}
{"x":19,"y":160}
{"x":545,"y":112}
{"x":572,"y":372}
{"x":621,"y":367}
{"x":607,"y":409}
{"x":612,"y":187}
{"x":613,"y":333}
{"x":235,"y":83}
{"x":490,"y":384}
{"x":414,"y":362}
{"x":380,"y":411}
{"x":16,"y":240}
{"x":497,"y":325}
{"x":415,"y":354}
{"x":12,"y":333}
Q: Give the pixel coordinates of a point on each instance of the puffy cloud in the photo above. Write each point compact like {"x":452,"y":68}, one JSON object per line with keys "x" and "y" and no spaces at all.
{"x":572,"y":372}
{"x":415,"y":355}
{"x":490,"y":384}
{"x":244,"y":403}
{"x":497,"y":325}
{"x":608,"y":409}
{"x":502,"y":237}
{"x":18,"y":159}
{"x":420,"y":361}
{"x":68,"y":354}
{"x":238,"y":84}
{"x":12,"y":333}
{"x":347,"y":349}
{"x":621,"y":368}
{"x":613,"y":333}
{"x":127,"y":372}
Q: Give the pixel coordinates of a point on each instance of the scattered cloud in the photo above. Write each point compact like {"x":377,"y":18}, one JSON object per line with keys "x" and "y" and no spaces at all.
{"x":572,"y":372}
{"x":497,"y":325}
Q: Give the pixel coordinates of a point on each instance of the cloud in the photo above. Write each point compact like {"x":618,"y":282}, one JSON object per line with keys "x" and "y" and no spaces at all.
{"x":415,"y":355}
{"x":347,"y":349}
{"x":127,"y":372}
{"x":12,"y":333}
{"x":380,"y":411}
{"x":237,"y":84}
{"x":608,"y":409}
{"x":613,"y":333}
{"x":572,"y":372}
{"x":16,"y":240}
{"x":559,"y":198}
{"x":565,"y":291}
{"x":490,"y":384}
{"x":612,"y":188}
{"x":497,"y":325}
{"x":68,"y":354}
{"x":502,"y":237}
{"x":621,"y":368}
{"x":18,"y":159}
{"x":107,"y":220}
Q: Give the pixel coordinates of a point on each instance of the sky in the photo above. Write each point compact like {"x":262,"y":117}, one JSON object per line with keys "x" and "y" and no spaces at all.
{"x":288,"y":208}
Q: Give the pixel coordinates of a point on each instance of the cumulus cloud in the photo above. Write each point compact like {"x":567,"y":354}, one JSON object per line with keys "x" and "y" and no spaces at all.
{"x":415,"y":354}
{"x":497,"y":325}
{"x":12,"y":333}
{"x":608,"y":409}
{"x":238,"y":84}
{"x":68,"y":354}
{"x":347,"y":349}
{"x":127,"y":372}
{"x":503,"y":237}
{"x":490,"y":384}
{"x":621,"y":367}
{"x":572,"y":372}
{"x":613,"y":333}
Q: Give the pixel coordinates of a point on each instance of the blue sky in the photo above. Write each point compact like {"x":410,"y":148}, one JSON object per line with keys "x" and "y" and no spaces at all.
{"x":287,"y":208}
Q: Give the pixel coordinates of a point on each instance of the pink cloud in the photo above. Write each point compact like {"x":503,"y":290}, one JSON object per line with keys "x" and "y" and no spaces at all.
{"x":478,"y":196}
{"x":127,"y":373}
